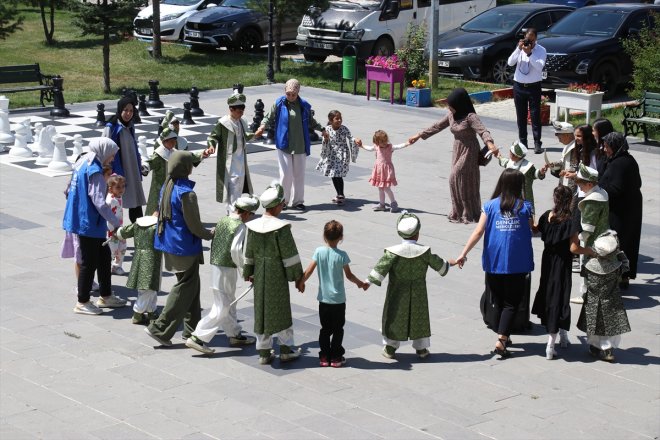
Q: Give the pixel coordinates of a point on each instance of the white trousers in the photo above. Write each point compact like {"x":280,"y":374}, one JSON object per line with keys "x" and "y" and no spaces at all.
{"x":604,"y":342}
{"x":418,"y":344}
{"x":146,"y":301}
{"x":292,"y":171}
{"x":223,"y":285}
{"x":285,"y":337}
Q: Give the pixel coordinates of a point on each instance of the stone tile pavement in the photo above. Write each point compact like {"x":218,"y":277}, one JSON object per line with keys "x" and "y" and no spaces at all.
{"x":71,"y":376}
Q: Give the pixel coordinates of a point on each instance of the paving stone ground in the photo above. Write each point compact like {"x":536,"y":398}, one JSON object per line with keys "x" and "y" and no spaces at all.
{"x":72,"y":376}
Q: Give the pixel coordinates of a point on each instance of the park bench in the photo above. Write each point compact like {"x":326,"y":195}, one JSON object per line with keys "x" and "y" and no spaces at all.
{"x":29,"y":73}
{"x":638,"y":117}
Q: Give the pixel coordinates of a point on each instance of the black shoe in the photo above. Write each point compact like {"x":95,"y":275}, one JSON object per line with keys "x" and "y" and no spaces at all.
{"x":300,"y":207}
{"x":538,"y":150}
{"x":624,"y":284}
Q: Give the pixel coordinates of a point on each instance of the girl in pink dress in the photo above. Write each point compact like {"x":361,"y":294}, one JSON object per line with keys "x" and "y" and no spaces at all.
{"x":383,"y":176}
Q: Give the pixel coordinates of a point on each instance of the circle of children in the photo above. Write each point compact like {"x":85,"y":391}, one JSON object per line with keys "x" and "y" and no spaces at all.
{"x":263,"y":250}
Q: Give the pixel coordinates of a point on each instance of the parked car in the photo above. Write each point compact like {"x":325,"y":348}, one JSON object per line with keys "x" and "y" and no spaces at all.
{"x":233,"y":25}
{"x":586,"y":45}
{"x":374,"y":27}
{"x":479,"y":49}
{"x":173,"y":16}
{"x":582,"y":3}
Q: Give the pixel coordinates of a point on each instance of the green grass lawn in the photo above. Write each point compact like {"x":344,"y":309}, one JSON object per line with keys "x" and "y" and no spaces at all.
{"x":79,"y":61}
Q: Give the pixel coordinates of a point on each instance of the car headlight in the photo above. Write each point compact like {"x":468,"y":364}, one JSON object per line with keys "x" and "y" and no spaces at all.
{"x":354,"y":34}
{"x":303,"y":31}
{"x":170,"y":16}
{"x":225,"y":24}
{"x":583,"y":67}
{"x":472,"y":50}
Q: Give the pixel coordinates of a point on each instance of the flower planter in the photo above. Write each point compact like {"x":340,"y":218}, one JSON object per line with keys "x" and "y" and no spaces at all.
{"x":391,"y":76}
{"x":587,"y":102}
{"x":418,"y":97}
{"x":545,"y":115}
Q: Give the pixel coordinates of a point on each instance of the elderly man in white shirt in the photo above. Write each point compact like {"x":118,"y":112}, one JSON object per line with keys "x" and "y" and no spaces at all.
{"x":529,"y":59}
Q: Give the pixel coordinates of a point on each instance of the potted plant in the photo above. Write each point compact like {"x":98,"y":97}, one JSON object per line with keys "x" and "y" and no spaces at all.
{"x":586,"y":97}
{"x":545,"y":111}
{"x":389,"y":69}
{"x":419,"y":95}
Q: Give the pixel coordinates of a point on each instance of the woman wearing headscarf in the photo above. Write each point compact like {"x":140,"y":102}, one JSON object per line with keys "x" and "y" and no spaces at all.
{"x":87,"y":215}
{"x":621,"y":179}
{"x":465,"y":125}
{"x":127,"y":162}
{"x":179,"y":236}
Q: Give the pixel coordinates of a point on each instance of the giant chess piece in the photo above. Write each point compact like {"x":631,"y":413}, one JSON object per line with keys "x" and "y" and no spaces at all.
{"x":46,"y":146}
{"x":238,"y":88}
{"x":142,"y":106}
{"x":59,"y":110}
{"x":154,"y":98}
{"x":194,"y":103}
{"x":59,"y":161}
{"x":100,"y":115}
{"x":34,"y":145}
{"x":20,"y":148}
{"x":5,"y":130}
{"x":313,"y":137}
{"x":77,"y":146}
{"x":258,"y":115}
{"x":187,"y":117}
{"x":142,"y":147}
{"x":28,"y":137}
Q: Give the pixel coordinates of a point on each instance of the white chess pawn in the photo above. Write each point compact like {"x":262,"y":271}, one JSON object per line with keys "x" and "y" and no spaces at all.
{"x":77,"y":145}
{"x":5,"y":129}
{"x":46,"y":146}
{"x":142,"y":147}
{"x":20,"y":148}
{"x":60,"y":161}
{"x":28,"y":138}
{"x":34,"y":145}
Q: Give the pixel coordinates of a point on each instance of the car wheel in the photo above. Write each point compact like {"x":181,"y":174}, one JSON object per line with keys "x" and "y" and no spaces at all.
{"x":606,"y":75}
{"x":314,"y":58}
{"x":501,"y":72}
{"x":383,"y":47}
{"x":249,"y":40}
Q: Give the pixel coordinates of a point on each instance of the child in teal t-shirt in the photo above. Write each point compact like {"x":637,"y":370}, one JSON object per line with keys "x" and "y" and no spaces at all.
{"x":332,"y":264}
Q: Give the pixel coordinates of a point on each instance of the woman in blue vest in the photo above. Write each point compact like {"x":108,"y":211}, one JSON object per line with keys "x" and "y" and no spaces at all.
{"x":87,"y":215}
{"x":179,"y":236}
{"x":127,"y":162}
{"x":507,"y":258}
{"x":291,"y":118}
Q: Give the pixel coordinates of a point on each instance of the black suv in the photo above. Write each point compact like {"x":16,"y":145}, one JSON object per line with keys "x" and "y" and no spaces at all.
{"x":479,"y":49}
{"x":586,"y":45}
{"x":233,"y":25}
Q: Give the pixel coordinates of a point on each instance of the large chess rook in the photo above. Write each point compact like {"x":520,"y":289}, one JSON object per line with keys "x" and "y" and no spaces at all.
{"x":59,"y":161}
{"x":5,"y":130}
{"x":59,"y":110}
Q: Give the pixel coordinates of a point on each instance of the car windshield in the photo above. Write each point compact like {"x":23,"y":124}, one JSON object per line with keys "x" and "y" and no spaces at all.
{"x":356,"y":4}
{"x":179,"y":2}
{"x":495,"y":21}
{"x":584,"y":22}
{"x":235,"y":3}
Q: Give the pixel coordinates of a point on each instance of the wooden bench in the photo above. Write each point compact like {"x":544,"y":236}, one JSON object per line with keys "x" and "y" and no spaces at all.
{"x":637,"y":118}
{"x":29,"y":73}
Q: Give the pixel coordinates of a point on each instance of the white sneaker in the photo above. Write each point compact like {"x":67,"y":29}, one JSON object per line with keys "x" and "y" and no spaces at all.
{"x":118,"y":270}
{"x":550,"y":352}
{"x":87,"y":308}
{"x":288,"y":357}
{"x":111,"y":301}
{"x":577,"y":300}
{"x":164,"y":342}
{"x":202,"y":348}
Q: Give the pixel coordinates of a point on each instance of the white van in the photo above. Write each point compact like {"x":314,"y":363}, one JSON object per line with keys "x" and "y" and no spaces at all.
{"x":375,"y":27}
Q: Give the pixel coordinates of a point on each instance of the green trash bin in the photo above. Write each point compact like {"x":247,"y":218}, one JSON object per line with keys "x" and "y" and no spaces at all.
{"x":348,"y":67}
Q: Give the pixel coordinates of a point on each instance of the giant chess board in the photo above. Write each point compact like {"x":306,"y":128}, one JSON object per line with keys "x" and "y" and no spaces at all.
{"x":84,"y":123}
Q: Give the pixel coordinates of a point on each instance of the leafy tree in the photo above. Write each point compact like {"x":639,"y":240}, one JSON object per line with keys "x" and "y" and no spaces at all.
{"x":283,"y":9}
{"x":10,"y":21}
{"x":413,"y":53}
{"x":106,"y":18}
{"x":645,"y":54}
{"x":48,"y":22}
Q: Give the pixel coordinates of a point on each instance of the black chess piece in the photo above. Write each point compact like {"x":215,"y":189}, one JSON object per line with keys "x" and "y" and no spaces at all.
{"x":142,"y":106}
{"x":258,"y":115}
{"x":59,"y":110}
{"x":187,"y":117}
{"x":270,"y":136}
{"x":100,"y":115}
{"x":194,"y":103}
{"x":313,"y":137}
{"x":154,"y":98}
{"x":238,"y":88}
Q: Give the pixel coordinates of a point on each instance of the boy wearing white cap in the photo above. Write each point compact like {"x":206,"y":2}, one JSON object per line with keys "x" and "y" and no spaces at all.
{"x":228,"y":139}
{"x":603,"y":316}
{"x":173,"y":123}
{"x":406,"y":309}
{"x":271,"y":262}
{"x":226,"y":264}
{"x":517,"y":161}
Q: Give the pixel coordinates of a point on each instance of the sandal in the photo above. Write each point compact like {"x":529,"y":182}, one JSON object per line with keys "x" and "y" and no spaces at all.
{"x":502,"y":352}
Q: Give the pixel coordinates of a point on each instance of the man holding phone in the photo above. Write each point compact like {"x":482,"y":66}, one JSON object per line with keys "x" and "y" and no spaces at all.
{"x":529,"y":59}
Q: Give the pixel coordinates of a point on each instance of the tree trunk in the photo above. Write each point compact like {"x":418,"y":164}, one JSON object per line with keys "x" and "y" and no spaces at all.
{"x":277,"y":43}
{"x":49,"y":37}
{"x":158,"y":54}
{"x":106,"y":58}
{"x":47,"y":33}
